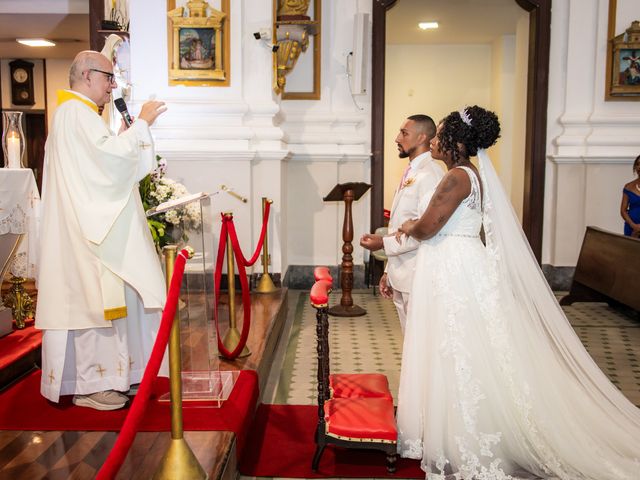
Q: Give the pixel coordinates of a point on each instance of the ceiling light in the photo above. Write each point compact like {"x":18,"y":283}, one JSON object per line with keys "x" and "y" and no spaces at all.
{"x":35,"y":42}
{"x":428,"y":25}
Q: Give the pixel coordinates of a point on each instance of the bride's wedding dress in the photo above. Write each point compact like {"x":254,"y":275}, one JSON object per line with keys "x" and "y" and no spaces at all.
{"x":494,"y":383}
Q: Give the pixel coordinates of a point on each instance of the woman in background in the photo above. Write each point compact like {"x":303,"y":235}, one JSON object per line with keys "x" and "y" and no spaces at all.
{"x":630,"y":207}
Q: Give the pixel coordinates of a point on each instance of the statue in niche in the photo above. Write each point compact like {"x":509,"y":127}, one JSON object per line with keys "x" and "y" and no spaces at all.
{"x":293,"y":8}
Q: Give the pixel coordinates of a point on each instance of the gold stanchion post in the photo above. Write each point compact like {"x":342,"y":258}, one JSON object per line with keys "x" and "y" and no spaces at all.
{"x":178,"y":462}
{"x":265,"y":285}
{"x":232,"y":337}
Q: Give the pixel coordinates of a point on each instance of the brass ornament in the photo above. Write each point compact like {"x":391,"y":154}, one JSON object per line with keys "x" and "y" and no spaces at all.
{"x":19,"y":301}
{"x":293,"y":27}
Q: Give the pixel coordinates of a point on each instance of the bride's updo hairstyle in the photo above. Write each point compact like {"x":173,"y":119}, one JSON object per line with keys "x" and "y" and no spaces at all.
{"x":473,"y":128}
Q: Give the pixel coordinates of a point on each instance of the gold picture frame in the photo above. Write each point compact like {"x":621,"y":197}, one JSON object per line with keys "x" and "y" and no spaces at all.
{"x":198,"y":36}
{"x":623,"y":60}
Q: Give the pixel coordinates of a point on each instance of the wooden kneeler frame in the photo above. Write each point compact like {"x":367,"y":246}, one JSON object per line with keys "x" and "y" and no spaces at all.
{"x":337,"y":424}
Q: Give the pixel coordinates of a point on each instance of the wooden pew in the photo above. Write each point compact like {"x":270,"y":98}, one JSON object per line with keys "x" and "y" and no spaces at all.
{"x":608,"y":270}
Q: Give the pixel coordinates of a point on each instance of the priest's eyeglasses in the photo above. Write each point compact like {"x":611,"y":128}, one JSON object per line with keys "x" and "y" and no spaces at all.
{"x":110,"y":76}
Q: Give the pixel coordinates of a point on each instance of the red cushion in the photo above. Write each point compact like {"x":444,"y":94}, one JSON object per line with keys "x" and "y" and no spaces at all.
{"x":322,"y":273}
{"x":352,"y":385}
{"x":319,"y":294}
{"x":361,"y":419}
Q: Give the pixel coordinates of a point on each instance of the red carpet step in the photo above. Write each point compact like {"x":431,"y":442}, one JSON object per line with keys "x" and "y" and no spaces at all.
{"x":281,"y":444}
{"x":23,"y":408}
{"x":19,"y":352}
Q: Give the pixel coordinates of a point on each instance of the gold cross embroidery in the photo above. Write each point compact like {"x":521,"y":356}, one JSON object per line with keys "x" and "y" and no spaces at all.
{"x":131,"y":362}
{"x":143,"y":145}
{"x":100,"y":370}
{"x":120,"y":369}
{"x":51,"y":378}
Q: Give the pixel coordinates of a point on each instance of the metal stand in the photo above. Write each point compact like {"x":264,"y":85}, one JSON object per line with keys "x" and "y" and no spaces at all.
{"x":265,"y":285}
{"x":232,"y":337}
{"x":179,"y":462}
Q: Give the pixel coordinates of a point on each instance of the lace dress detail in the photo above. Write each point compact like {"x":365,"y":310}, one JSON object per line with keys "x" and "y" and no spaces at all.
{"x":472,"y":403}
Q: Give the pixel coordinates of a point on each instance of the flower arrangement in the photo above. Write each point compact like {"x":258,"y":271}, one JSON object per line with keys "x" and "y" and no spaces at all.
{"x":171,"y":226}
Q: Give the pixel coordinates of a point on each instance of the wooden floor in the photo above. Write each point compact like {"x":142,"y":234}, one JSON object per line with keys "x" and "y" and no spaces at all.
{"x":79,"y":455}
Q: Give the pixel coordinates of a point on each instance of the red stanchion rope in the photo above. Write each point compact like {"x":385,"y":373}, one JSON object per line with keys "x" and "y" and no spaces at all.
{"x":228,"y":227}
{"x":132,"y":423}
{"x":263,"y":231}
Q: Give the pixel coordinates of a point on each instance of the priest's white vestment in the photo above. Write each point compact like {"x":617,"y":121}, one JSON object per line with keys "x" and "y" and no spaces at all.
{"x":100,"y":284}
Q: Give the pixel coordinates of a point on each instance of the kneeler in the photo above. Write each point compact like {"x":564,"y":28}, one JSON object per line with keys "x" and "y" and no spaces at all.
{"x":351,"y":385}
{"x":351,"y":416}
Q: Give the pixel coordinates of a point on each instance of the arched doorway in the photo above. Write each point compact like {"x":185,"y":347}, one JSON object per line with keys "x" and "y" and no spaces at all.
{"x":537,"y":90}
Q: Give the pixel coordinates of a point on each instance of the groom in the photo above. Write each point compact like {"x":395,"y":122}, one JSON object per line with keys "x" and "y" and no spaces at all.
{"x":418,"y":183}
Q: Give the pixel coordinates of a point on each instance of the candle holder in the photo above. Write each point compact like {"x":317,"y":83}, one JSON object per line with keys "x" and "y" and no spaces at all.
{"x":13,"y":144}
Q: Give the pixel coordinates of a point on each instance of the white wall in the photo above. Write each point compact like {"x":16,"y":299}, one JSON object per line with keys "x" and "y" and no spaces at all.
{"x":57,"y":79}
{"x":503,"y":65}
{"x":429,"y":79}
{"x":294,"y":151}
{"x":245,"y":137}
{"x":519,"y":106}
{"x":329,"y":143}
{"x":591,"y":143}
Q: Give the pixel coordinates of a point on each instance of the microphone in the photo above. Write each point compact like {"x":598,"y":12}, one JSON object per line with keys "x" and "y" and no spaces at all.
{"x":122,"y":108}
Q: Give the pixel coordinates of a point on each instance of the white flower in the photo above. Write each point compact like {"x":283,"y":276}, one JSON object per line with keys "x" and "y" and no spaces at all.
{"x":162,"y":189}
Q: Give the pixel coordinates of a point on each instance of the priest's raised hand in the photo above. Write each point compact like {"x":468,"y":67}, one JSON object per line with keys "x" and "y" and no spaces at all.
{"x":151,"y":110}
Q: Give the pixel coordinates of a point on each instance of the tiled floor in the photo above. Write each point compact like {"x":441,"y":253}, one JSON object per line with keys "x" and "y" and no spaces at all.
{"x":373,"y":343}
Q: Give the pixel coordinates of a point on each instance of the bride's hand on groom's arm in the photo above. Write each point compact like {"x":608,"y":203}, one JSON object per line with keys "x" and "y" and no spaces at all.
{"x":405,"y":229}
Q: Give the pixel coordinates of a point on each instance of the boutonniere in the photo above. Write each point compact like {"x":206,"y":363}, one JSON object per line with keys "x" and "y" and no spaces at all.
{"x":408,"y":182}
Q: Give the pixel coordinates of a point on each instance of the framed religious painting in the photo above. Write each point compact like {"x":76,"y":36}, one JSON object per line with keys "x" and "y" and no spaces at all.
{"x":623,"y":60}
{"x":198,"y":43}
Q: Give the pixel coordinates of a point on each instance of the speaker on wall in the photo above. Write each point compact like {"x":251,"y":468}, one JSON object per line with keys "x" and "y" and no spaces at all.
{"x":359,"y":59}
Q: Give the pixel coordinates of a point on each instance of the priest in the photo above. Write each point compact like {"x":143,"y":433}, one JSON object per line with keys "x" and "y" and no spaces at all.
{"x":100,"y":284}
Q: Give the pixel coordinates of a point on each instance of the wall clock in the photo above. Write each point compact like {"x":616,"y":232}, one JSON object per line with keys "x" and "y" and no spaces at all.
{"x":22,"y":83}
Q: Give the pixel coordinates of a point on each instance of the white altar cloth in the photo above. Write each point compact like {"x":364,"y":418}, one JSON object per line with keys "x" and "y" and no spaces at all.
{"x":20,"y":213}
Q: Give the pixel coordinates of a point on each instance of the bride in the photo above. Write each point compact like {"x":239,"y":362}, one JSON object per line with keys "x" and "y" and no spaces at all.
{"x":494,"y":382}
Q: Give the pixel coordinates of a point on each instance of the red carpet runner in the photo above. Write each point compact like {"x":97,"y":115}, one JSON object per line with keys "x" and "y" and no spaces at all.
{"x":23,"y":408}
{"x":281,"y":444}
{"x":18,"y":344}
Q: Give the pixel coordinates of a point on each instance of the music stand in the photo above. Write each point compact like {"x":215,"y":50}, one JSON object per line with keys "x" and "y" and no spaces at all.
{"x":347,"y":192}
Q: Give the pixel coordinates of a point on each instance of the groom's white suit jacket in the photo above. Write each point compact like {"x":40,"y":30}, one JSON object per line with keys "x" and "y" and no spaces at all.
{"x":416,"y":190}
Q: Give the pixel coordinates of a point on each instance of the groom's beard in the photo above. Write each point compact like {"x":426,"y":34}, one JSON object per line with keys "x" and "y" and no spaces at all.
{"x":402,"y":153}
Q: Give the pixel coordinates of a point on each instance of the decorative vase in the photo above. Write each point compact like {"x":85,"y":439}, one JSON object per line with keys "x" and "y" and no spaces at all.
{"x":13,"y":144}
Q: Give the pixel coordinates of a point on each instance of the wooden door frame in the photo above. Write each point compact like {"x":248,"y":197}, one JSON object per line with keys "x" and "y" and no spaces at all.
{"x":536,"y":123}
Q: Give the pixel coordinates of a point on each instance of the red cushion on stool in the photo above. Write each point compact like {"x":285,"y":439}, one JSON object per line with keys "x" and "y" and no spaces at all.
{"x":319,"y":294}
{"x":322,"y":273}
{"x":361,"y":419}
{"x":352,"y":385}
